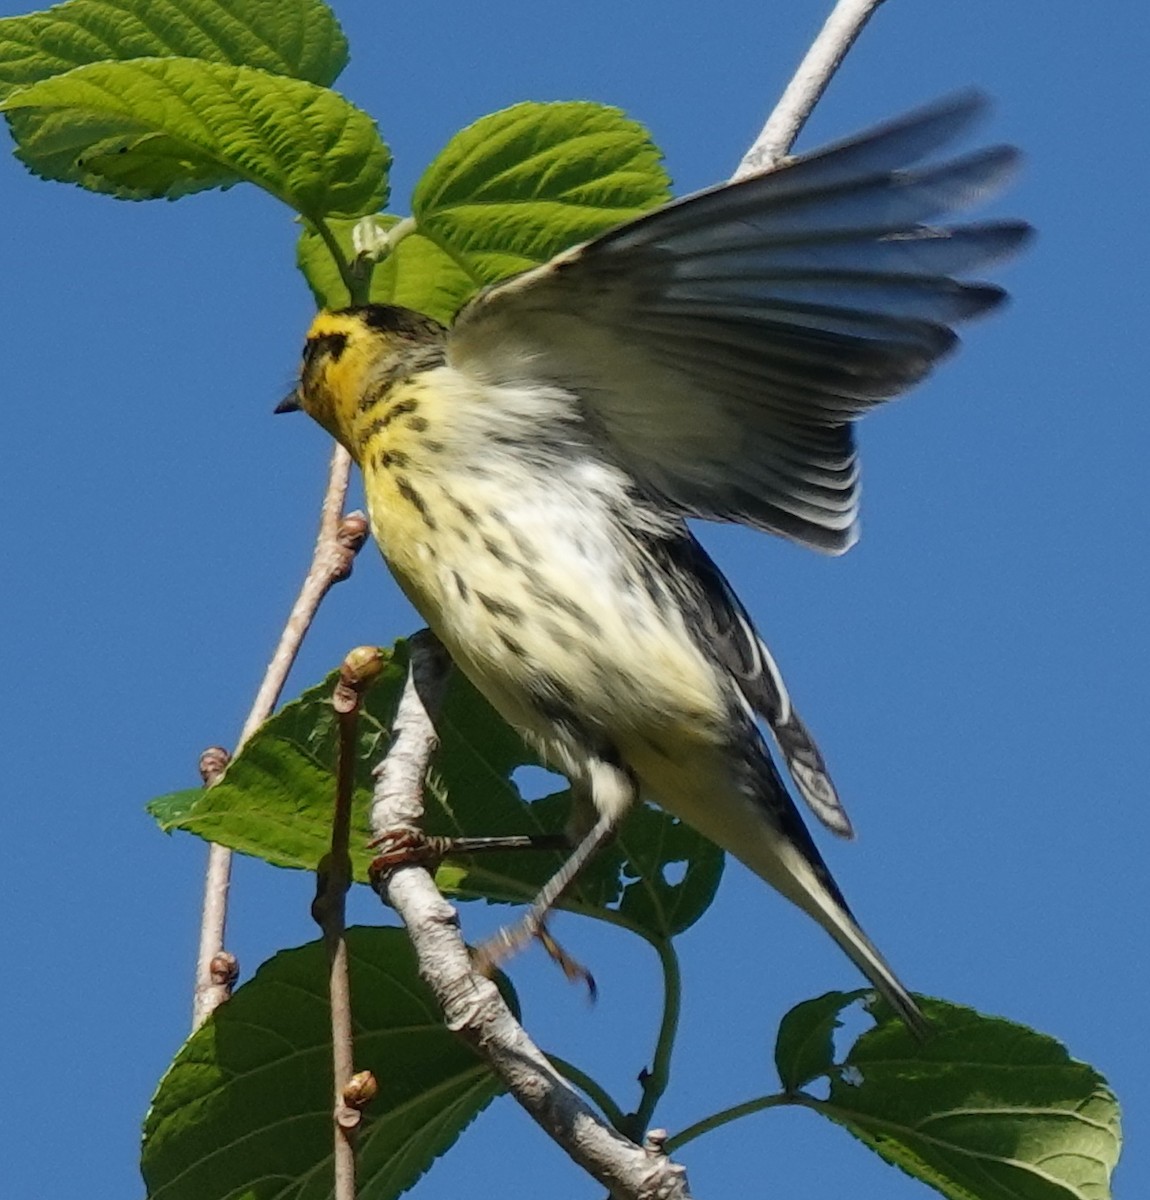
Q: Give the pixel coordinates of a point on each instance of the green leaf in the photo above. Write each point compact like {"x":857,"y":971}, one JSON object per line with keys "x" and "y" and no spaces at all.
{"x":245,"y":1109}
{"x":519,"y":186}
{"x":165,"y":127}
{"x":982,"y":1110}
{"x":506,"y":194}
{"x":670,"y":872}
{"x":275,"y":803}
{"x":300,"y":38}
{"x":804,"y":1048}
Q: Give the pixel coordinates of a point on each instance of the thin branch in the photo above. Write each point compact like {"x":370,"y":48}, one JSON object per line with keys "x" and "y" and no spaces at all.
{"x":472,"y":1005}
{"x":358,"y":670}
{"x":214,"y":986}
{"x":336,"y":546}
{"x":806,"y":87}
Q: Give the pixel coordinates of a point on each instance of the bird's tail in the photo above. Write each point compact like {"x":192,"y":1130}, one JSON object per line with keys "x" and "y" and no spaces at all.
{"x":784,"y":854}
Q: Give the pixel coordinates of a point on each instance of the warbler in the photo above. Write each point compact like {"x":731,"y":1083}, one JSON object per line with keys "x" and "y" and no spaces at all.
{"x":530,"y":470}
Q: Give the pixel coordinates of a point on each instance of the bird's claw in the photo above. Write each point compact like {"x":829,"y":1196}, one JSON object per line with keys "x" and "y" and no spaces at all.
{"x":508,"y":941}
{"x":404,"y":846}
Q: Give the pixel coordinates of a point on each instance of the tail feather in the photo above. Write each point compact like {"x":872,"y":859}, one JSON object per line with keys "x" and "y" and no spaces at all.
{"x":785,"y":856}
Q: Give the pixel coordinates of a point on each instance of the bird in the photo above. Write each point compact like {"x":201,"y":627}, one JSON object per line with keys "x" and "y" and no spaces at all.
{"x":530,"y":471}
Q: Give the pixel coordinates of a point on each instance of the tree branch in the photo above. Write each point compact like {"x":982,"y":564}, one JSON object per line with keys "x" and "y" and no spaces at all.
{"x":472,"y":1005}
{"x":809,"y":82}
{"x":336,"y":546}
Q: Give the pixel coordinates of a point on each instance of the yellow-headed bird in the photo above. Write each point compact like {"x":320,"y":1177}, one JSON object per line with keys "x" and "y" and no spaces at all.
{"x":529,"y":470}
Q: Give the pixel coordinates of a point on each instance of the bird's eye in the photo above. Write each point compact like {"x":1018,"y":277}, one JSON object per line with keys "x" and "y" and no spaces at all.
{"x":330,"y":344}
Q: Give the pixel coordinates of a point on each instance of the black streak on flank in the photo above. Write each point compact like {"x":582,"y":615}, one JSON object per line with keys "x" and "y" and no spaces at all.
{"x":392,"y":458}
{"x":398,"y":409}
{"x":548,"y":687}
{"x":374,"y":396}
{"x":417,"y":424}
{"x":527,"y":550}
{"x":368,"y":401}
{"x":465,"y":511}
{"x":499,"y":608}
{"x":461,"y":586}
{"x":546,"y":595}
{"x":403,"y":486}
{"x":497,"y":552}
{"x":511,"y":644}
{"x":657,"y":748}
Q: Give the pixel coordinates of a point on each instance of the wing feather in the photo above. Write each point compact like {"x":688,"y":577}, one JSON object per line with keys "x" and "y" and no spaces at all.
{"x":724,"y":344}
{"x":713,"y":609}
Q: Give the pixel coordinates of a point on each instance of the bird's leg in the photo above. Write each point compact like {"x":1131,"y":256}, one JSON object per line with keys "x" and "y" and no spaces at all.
{"x":612,"y":790}
{"x":511,"y":939}
{"x":406,"y":846}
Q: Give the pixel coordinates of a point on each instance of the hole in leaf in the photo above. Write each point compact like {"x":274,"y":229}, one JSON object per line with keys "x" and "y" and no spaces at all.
{"x":535,"y":782}
{"x":855,"y":1021}
{"x":674,"y":873}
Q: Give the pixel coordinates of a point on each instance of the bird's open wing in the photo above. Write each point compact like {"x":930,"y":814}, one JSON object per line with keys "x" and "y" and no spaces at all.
{"x":725,"y":342}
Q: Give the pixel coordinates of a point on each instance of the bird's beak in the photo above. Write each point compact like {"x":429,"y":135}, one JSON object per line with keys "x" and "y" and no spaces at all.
{"x":290,"y":403}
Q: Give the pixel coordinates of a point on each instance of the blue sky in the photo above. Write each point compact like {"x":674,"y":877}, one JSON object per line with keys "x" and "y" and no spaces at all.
{"x":975,"y":670}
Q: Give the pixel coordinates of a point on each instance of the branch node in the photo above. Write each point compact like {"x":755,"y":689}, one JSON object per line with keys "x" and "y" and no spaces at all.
{"x":353,"y":531}
{"x":346,"y":544}
{"x":347,"y":1118}
{"x":360,"y":1090}
{"x":655,"y":1142}
{"x":213,"y":763}
{"x":224,"y":970}
{"x":360,"y":668}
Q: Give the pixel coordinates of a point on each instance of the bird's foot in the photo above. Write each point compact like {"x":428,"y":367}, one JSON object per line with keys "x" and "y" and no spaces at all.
{"x":512,"y":938}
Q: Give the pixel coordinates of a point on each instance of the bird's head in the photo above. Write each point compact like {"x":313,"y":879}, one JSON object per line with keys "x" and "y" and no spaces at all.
{"x":353,"y":356}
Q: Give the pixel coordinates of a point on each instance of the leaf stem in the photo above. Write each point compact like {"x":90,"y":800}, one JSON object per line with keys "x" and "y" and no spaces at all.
{"x":358,"y":283}
{"x":726,"y":1115}
{"x":655,"y":1081}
